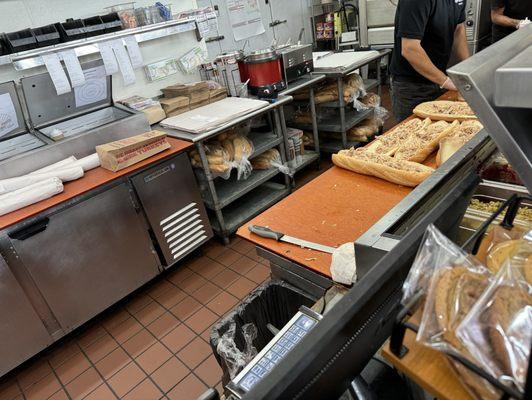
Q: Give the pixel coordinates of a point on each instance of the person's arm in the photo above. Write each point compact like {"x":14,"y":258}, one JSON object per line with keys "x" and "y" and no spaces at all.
{"x":412,"y":50}
{"x":460,"y":47}
{"x":498,"y":18}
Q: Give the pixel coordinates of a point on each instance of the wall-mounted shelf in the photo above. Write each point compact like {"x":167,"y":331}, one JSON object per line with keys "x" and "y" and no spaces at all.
{"x":83,"y":47}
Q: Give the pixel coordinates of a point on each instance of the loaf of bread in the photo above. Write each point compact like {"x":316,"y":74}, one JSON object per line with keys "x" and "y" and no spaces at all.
{"x":390,"y":142}
{"x":265,"y":160}
{"x":423,"y":142}
{"x":444,"y":110}
{"x":365,"y":162}
{"x":243,"y":148}
{"x":456,"y":139}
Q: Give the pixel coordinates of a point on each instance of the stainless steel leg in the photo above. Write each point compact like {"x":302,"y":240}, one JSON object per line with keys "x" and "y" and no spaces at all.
{"x":212,"y":188}
{"x":314,"y":123}
{"x":379,"y":82}
{"x":341,"y":102}
{"x":280,"y":127}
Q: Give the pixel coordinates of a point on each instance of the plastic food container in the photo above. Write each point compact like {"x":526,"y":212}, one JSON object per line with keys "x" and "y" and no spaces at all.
{"x":126,"y":13}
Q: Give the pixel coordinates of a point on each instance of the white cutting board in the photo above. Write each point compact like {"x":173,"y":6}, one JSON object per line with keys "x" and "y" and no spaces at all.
{"x":213,"y":115}
{"x":340,"y":60}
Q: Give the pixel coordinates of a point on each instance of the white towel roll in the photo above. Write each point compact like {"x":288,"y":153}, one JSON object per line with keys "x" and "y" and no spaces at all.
{"x":65,"y":174}
{"x":58,"y":165}
{"x":89,"y":162}
{"x":29,"y":195}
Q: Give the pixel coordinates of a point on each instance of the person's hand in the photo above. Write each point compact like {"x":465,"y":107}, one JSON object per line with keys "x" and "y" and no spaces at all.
{"x":448,"y":85}
{"x":522,"y":23}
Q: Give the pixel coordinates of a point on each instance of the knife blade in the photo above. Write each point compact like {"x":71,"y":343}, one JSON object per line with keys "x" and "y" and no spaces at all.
{"x":278,"y":236}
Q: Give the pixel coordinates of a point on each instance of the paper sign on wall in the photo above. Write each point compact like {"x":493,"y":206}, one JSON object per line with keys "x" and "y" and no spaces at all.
{"x":245,"y":18}
{"x":94,"y":89}
{"x":8,"y":115}
{"x":128,"y":74}
{"x":55,"y":69}
{"x":134,"y":51}
{"x":108,"y":58}
{"x":73,"y":67}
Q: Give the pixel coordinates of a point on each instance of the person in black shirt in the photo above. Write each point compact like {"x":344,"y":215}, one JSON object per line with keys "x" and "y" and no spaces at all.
{"x":509,"y":15}
{"x":426,"y":33}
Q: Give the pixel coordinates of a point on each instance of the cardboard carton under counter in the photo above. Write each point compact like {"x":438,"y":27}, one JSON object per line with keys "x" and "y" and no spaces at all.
{"x":122,"y":153}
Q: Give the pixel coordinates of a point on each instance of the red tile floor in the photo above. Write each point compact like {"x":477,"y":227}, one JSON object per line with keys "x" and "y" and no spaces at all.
{"x":153,"y":345}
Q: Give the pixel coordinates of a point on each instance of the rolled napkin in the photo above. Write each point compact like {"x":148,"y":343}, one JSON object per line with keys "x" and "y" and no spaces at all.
{"x":30,"y":194}
{"x":89,"y":162}
{"x":65,"y":174}
{"x":58,"y":165}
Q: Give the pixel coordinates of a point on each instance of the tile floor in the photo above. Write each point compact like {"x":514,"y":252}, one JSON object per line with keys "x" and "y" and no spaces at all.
{"x":153,"y":345}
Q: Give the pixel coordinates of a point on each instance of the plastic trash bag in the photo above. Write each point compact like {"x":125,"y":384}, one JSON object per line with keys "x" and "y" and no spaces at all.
{"x":235,"y":359}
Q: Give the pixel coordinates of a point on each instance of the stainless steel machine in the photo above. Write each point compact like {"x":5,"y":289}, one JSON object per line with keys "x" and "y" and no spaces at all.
{"x":296,"y":61}
{"x":65,"y":265}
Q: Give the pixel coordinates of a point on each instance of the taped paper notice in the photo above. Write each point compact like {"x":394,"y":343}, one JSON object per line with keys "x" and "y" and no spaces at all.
{"x":55,"y":69}
{"x":134,"y":51}
{"x":73,"y":67}
{"x":8,"y":115}
{"x":245,"y":18}
{"x":108,"y":58}
{"x":128,"y":74}
{"x":94,"y":89}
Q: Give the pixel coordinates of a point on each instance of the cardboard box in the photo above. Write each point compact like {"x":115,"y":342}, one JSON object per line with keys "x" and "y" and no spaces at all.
{"x":185,"y":90}
{"x":154,"y":114}
{"x":174,"y":103}
{"x":123,"y":153}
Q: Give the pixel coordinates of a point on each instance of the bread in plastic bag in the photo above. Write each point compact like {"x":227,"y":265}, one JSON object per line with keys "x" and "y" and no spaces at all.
{"x":498,"y":329}
{"x":491,"y":244}
{"x":270,"y":159}
{"x":235,"y":359}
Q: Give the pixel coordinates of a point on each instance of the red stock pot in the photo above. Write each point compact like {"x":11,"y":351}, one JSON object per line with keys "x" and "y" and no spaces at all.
{"x":264,"y":73}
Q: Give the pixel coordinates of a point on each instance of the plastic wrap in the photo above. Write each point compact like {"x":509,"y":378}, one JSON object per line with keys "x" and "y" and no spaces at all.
{"x":372,"y":100}
{"x":66,"y":173}
{"x":498,"y":245}
{"x":270,"y":159}
{"x":29,"y":195}
{"x":343,"y":265}
{"x":235,"y":359}
{"x":498,"y":329}
{"x":60,"y":164}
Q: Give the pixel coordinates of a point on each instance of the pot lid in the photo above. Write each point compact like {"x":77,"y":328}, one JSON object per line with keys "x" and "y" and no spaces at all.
{"x":262,"y":55}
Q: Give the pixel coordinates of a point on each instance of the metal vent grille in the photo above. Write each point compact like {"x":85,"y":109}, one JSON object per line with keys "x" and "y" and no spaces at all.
{"x":183,"y":230}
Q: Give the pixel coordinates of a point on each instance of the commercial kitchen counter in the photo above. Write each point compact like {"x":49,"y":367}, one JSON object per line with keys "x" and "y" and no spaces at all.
{"x":66,"y":259}
{"x":91,"y":180}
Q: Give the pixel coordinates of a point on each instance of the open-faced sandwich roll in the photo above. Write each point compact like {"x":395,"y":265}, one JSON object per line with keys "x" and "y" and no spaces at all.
{"x":382,"y":166}
{"x":444,"y":110}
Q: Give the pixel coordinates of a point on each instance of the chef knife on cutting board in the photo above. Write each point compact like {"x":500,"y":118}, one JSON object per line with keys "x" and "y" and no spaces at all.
{"x":278,"y":236}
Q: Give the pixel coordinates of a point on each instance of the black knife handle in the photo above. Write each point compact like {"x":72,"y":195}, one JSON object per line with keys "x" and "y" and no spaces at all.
{"x":265,"y":232}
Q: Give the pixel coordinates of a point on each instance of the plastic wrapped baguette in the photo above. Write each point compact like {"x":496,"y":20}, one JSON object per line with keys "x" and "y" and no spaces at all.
{"x":30,"y":194}
{"x":68,"y":173}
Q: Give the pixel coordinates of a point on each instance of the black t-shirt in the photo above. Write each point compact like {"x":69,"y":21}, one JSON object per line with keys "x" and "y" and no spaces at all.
{"x":434,"y":23}
{"x":516,"y":9}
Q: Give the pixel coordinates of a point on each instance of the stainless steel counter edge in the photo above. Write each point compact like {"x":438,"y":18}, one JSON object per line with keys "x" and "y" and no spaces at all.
{"x":341,"y":71}
{"x":302,"y":83}
{"x":194,"y":138}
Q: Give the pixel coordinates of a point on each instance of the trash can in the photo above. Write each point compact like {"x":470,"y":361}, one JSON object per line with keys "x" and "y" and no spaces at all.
{"x":237,"y":338}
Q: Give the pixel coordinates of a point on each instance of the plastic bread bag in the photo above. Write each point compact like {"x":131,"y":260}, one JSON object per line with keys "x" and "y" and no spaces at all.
{"x":498,"y":329}
{"x":435,"y":252}
{"x":218,"y":158}
{"x":243,"y":149}
{"x":235,"y":359}
{"x":496,"y":241}
{"x":270,"y":159}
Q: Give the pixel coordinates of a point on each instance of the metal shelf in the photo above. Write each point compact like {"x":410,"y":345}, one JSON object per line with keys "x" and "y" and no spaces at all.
{"x":263,"y":141}
{"x":32,"y":58}
{"x":332,"y":124}
{"x":335,"y":145}
{"x":306,"y":159}
{"x":232,"y":189}
{"x":370,"y":84}
{"x":249,"y":206}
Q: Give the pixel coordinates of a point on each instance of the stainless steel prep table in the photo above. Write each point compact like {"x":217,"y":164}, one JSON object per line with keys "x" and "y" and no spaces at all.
{"x":233,"y":201}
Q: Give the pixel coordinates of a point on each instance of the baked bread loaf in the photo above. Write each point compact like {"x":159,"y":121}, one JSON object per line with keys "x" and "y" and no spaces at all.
{"x":243,"y":148}
{"x":444,"y":110}
{"x":265,"y":160}
{"x":388,"y":143}
{"x":456,"y":139}
{"x":382,"y":166}
{"x":371,"y":100}
{"x":423,"y":142}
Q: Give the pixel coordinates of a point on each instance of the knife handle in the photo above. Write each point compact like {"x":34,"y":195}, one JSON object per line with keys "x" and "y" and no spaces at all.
{"x":265,"y":232}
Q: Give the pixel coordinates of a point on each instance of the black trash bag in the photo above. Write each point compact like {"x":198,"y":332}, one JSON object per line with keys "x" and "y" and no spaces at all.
{"x":244,"y":331}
